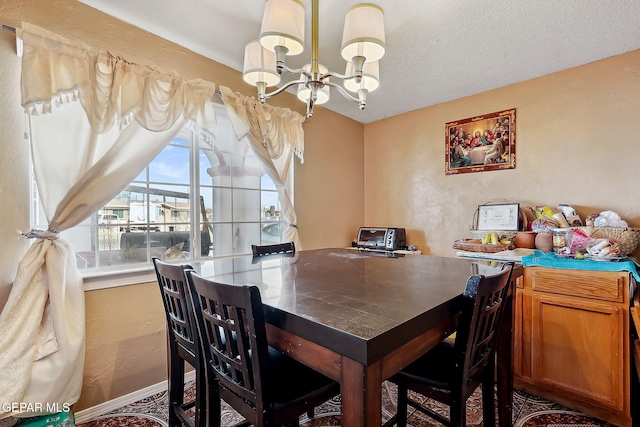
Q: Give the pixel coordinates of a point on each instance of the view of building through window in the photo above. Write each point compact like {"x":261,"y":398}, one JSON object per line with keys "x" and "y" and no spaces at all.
{"x":201,"y":197}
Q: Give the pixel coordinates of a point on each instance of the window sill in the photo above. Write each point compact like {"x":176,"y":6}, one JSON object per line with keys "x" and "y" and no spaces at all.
{"x":134,"y":275}
{"x":106,"y":279}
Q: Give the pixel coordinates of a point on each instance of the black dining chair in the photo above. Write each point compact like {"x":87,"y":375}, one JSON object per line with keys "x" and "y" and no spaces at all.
{"x":262,"y":384}
{"x":287,"y":248}
{"x":451,"y":371}
{"x":183,"y":346}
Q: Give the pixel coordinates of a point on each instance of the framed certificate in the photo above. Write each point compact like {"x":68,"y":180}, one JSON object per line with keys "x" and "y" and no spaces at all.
{"x":498,"y":217}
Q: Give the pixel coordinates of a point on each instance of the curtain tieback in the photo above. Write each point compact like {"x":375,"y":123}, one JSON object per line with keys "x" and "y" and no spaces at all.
{"x":293,"y":225}
{"x":41,"y":234}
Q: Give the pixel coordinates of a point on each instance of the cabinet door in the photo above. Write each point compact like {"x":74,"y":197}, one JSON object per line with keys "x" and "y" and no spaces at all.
{"x":577,"y":348}
{"x":522,"y":334}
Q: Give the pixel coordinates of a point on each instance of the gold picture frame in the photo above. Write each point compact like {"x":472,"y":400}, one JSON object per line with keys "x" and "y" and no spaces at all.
{"x":482,"y":143}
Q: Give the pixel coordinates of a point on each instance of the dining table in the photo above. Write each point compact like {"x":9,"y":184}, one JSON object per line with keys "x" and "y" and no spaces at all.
{"x":360,"y":316}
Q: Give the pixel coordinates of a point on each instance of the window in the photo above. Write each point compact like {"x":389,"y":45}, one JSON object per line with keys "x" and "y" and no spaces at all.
{"x":201,"y":197}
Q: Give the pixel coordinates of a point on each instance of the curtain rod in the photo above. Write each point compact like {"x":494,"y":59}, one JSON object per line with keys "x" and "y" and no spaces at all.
{"x":18,"y":38}
{"x":13,"y":30}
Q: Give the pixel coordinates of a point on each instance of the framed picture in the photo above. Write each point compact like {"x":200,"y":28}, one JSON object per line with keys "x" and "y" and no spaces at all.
{"x":498,"y":217}
{"x":482,"y":143}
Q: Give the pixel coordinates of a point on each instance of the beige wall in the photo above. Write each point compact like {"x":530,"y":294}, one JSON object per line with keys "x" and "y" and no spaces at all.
{"x":125,"y":326}
{"x":14,"y":165}
{"x":333,"y":173}
{"x":125,"y":344}
{"x":577,"y":143}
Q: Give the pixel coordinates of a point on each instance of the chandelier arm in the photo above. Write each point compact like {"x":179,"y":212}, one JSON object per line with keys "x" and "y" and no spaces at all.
{"x":357,"y":75}
{"x":342,"y":91}
{"x":295,"y":71}
{"x":362,"y":95}
{"x":336,"y":75}
{"x":283,"y":88}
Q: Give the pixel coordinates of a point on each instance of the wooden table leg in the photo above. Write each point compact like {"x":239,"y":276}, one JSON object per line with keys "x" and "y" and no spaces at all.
{"x":361,"y":394}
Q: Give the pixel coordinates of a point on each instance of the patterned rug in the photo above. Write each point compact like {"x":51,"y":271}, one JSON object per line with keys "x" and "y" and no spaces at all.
{"x":559,"y":419}
{"x":529,"y":411}
{"x":126,"y":420}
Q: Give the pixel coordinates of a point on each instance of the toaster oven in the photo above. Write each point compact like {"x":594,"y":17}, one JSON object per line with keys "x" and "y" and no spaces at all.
{"x":389,"y":239}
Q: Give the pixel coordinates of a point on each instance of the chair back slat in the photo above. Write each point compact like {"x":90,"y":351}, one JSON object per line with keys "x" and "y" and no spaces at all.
{"x":478,"y":325}
{"x":180,"y":318}
{"x":235,"y":342}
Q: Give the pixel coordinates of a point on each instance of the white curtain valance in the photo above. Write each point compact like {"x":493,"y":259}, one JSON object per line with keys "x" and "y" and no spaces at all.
{"x":112,"y":90}
{"x":276,"y":128}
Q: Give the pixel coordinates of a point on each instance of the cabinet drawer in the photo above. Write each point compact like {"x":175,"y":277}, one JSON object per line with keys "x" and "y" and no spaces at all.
{"x":598,"y":285}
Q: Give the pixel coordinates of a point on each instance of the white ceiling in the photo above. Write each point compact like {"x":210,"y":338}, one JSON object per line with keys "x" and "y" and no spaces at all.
{"x":437,"y":50}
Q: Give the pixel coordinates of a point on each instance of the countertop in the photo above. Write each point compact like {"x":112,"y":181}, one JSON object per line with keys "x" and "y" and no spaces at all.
{"x":511,"y":255}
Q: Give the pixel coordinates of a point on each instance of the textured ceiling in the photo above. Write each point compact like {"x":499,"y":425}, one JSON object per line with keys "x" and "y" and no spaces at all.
{"x":437,"y":50}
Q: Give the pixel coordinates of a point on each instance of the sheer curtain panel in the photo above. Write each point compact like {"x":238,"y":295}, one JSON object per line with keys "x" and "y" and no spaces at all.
{"x":95,"y":122}
{"x":275,"y":135}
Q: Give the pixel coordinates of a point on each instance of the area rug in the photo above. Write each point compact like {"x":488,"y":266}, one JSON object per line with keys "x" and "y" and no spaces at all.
{"x":126,"y":420}
{"x":529,"y":411}
{"x":560,"y":419}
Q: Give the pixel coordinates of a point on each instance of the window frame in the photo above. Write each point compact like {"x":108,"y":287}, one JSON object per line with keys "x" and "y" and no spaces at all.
{"x":139,"y":273}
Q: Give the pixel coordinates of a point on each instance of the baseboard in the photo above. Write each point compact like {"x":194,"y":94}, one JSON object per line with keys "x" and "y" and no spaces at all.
{"x":94,"y":412}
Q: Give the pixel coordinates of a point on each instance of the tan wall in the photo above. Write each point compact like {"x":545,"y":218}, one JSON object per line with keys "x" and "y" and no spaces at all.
{"x":14,"y":166}
{"x":329,"y":216}
{"x":125,"y":344}
{"x":577,"y":143}
{"x":125,"y":326}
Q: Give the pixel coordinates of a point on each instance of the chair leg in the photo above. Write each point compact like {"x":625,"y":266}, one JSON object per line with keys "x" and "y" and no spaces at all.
{"x":214,"y":405}
{"x":176,"y":386}
{"x":203,"y":401}
{"x":488,"y":396}
{"x":401,"y":414}
{"x":458,"y":413}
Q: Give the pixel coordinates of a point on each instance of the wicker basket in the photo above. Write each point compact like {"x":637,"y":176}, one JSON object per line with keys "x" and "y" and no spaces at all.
{"x":474,"y":245}
{"x":628,"y":238}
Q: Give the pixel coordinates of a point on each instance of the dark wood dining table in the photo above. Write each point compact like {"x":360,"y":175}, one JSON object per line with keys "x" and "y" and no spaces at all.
{"x":361,"y":316}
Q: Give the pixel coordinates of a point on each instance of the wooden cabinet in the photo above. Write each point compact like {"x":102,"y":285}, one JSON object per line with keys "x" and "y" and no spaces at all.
{"x":571,"y":340}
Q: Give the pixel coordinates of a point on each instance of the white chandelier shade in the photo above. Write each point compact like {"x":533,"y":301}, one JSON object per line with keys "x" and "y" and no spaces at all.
{"x":370,"y":77}
{"x":283,"y":25}
{"x":282,"y":35}
{"x":364,"y":33}
{"x":259,"y":65}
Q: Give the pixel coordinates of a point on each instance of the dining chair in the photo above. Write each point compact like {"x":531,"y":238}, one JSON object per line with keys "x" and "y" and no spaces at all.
{"x":451,"y":371}
{"x":288,"y":248}
{"x":262,"y":384}
{"x":183,"y":345}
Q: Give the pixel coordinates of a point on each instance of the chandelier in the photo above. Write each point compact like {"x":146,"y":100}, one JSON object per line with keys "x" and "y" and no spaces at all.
{"x":282,"y":34}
